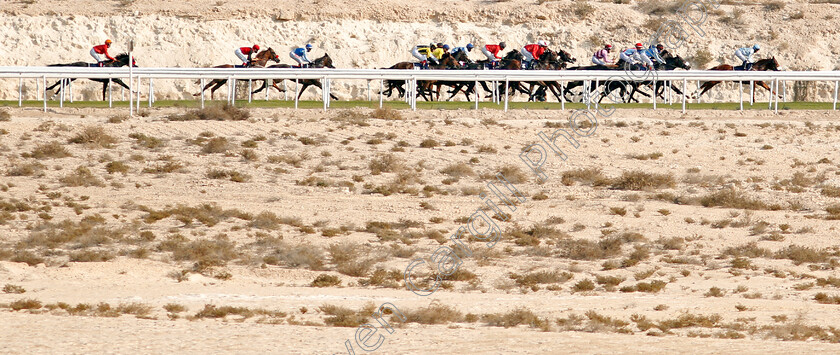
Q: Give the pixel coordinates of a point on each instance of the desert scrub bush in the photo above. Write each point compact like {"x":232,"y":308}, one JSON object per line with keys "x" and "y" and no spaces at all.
{"x":94,"y":137}
{"x":353,"y":117}
{"x":174,"y":308}
{"x":232,"y":175}
{"x":5,"y":116}
{"x":81,"y":176}
{"x":293,"y":160}
{"x":435,"y":313}
{"x":216,"y":145}
{"x":774,"y":5}
{"x":224,"y":112}
{"x":701,"y":58}
{"x":731,"y":198}
{"x":116,"y":167}
{"x":212,"y":311}
{"x":583,"y":286}
{"x":326,"y":280}
{"x":638,"y":180}
{"x":824,"y":298}
{"x":386,"y":278}
{"x":345,"y":317}
{"x":208,"y":214}
{"x":385,"y":163}
{"x":582,"y":249}
{"x":512,"y":174}
{"x":715,"y":292}
{"x":658,"y":7}
{"x":801,"y":254}
{"x":541,"y":277}
{"x":582,"y":9}
{"x":515,"y":317}
{"x":297,"y":256}
{"x":88,"y":256}
{"x":165,"y":167}
{"x":206,"y":253}
{"x":429,"y":143}
{"x":117,"y":118}
{"x":145,"y":141}
{"x":347,"y":257}
{"x":49,"y":150}
{"x":26,"y":303}
{"x":588,"y":176}
{"x":458,"y":170}
{"x":533,"y":235}
{"x":15,"y":289}
{"x":649,"y":156}
{"x":26,"y":169}
{"x":649,"y":287}
{"x":386,"y":113}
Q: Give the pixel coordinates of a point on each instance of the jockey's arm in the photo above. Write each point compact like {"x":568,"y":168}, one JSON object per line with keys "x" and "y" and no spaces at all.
{"x":305,"y":57}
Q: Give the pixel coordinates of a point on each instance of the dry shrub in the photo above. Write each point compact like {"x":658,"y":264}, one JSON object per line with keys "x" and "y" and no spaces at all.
{"x":774,"y":5}
{"x":435,"y":313}
{"x":212,"y":311}
{"x":26,"y":303}
{"x":734,"y":19}
{"x":297,"y":256}
{"x":515,"y":317}
{"x":582,"y":9}
{"x":731,"y":198}
{"x":583,"y":286}
{"x":429,"y":143}
{"x":231,"y":175}
{"x":147,"y":141}
{"x":830,"y":191}
{"x":749,"y":250}
{"x":581,"y":249}
{"x":86,"y":256}
{"x":326,"y":280}
{"x":824,"y":298}
{"x":458,"y":170}
{"x":801,"y":254}
{"x":658,"y":7}
{"x":541,"y":277}
{"x":610,"y":281}
{"x":207,"y":214}
{"x":164,"y":168}
{"x":116,"y":167}
{"x":386,"y":113}
{"x":216,"y":145}
{"x":94,"y":137}
{"x":385,"y":163}
{"x":346,"y":317}
{"x":513,"y":174}
{"x":14,"y":289}
{"x":650,"y":287}
{"x":270,"y":221}
{"x":26,"y":169}
{"x":293,"y":160}
{"x":174,"y":308}
{"x":701,"y":58}
{"x":117,"y":118}
{"x":533,"y":235}
{"x":205,"y":253}
{"x":688,"y":320}
{"x":353,"y":117}
{"x":588,"y":176}
{"x":387,"y":278}
{"x":224,"y":112}
{"x":347,"y":256}
{"x":49,"y":150}
{"x":638,"y":180}
{"x":82,"y":176}
{"x":5,"y":116}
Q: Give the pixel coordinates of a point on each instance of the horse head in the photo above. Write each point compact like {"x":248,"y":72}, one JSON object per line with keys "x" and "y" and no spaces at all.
{"x":461,"y":56}
{"x":448,"y":61}
{"x":513,"y":55}
{"x":677,"y":62}
{"x":565,"y":56}
{"x":121,"y":60}
{"x":323,"y":62}
{"x":267,"y":55}
{"x":767,"y":64}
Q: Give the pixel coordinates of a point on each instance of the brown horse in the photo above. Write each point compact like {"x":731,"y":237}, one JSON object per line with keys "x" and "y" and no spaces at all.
{"x":396,"y":84}
{"x":761,"y":65}
{"x":425,"y":86}
{"x":259,"y":61}
{"x":323,"y":62}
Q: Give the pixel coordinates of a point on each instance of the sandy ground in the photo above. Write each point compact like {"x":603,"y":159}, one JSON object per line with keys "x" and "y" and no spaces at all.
{"x":705,"y":151}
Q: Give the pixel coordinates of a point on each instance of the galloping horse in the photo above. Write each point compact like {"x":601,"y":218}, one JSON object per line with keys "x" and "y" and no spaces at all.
{"x":323,"y":62}
{"x":671,"y":63}
{"x":120,"y":61}
{"x":396,"y":84}
{"x":550,"y":60}
{"x":259,"y":61}
{"x":761,"y":65}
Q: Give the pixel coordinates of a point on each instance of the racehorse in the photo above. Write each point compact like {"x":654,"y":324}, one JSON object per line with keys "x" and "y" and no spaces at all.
{"x":259,"y":61}
{"x":549,"y":60}
{"x":425,"y":86}
{"x":761,"y":65}
{"x":324,"y":62}
{"x":671,"y":63}
{"x":396,"y":84}
{"x":121,"y":60}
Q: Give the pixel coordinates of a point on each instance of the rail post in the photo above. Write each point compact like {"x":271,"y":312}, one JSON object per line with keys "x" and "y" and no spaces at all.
{"x":324,"y":90}
{"x":151,"y":92}
{"x":61,"y":96}
{"x":138,"y":94}
{"x":770,"y":95}
{"x":752,"y":92}
{"x":507,"y":89}
{"x":776,"y":97}
{"x":685,"y":91}
{"x":741,"y":94}
{"x":368,"y":87}
{"x":784,"y":91}
{"x":297,"y":88}
{"x":381,"y":85}
{"x":475,"y":90}
{"x":201,"y":91}
{"x":249,"y":90}
{"x":562,"y":96}
{"x":836,"y":85}
{"x":45,"y":93}
{"x":20,"y":90}
{"x":597,"y":85}
{"x":110,"y":93}
{"x":285,"y":92}
{"x":233,"y":92}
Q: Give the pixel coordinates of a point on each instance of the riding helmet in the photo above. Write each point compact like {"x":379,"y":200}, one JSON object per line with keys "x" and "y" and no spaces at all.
{"x":256,"y":47}
{"x":660,"y":46}
{"x":470,"y":46}
{"x":440,"y":45}
{"x":446,"y":47}
{"x":308,"y":46}
{"x":639,"y":46}
{"x":502,"y":45}
{"x":756,"y":46}
{"x":108,"y":41}
{"x":608,"y":47}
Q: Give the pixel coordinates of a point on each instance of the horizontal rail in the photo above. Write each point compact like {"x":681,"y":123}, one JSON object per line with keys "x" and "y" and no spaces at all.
{"x":396,"y":74}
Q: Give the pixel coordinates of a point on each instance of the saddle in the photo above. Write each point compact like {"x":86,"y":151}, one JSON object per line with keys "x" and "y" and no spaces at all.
{"x":741,"y":67}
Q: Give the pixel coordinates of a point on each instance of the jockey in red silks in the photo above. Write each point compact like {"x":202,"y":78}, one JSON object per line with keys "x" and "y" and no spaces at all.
{"x":101,"y":49}
{"x":245,"y":53}
{"x":533,"y":52}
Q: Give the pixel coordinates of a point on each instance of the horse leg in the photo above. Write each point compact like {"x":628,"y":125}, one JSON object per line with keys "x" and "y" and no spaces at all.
{"x":455,"y":90}
{"x":302,"y":90}
{"x":104,"y":89}
{"x":705,"y":87}
{"x":264,"y":85}
{"x":274,"y":84}
{"x":218,"y":85}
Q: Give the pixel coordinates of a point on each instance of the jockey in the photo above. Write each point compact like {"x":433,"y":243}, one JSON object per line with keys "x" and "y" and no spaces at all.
{"x":299,"y":55}
{"x":635,"y":56}
{"x":653,"y":53}
{"x":245,"y":54}
{"x":438,"y":52}
{"x":533,"y":52}
{"x":602,"y":57}
{"x":101,"y":49}
{"x":745,"y":54}
{"x":466,"y":49}
{"x":491,"y":51}
{"x":423,"y":52}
